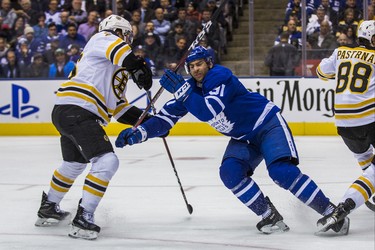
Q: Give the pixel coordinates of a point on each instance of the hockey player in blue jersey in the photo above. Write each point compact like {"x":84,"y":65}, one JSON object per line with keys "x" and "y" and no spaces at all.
{"x":257,"y":130}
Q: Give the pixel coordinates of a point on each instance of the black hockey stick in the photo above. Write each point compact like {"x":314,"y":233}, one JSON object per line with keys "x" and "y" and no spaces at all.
{"x":189,"y":207}
{"x":182,"y":60}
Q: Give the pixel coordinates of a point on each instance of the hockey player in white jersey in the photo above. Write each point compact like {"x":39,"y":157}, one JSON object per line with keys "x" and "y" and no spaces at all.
{"x":94,"y":93}
{"x":354,"y":71}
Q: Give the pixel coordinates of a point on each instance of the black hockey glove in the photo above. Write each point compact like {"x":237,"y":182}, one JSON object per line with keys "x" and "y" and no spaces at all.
{"x":138,"y":69}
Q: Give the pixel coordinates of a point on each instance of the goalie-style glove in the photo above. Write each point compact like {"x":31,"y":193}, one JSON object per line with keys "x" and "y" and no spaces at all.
{"x":175,"y":84}
{"x":138,"y":69}
{"x":129,"y":137}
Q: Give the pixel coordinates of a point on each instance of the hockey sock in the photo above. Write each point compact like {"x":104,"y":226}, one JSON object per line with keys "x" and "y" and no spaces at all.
{"x":63,"y":179}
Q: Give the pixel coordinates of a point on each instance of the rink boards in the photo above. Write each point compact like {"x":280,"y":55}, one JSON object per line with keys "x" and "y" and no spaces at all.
{"x":306,"y":103}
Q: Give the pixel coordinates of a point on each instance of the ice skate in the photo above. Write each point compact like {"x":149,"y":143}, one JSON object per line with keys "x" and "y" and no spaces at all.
{"x":337,"y":220}
{"x":49,"y":213}
{"x":273,"y":222}
{"x":83,"y":225}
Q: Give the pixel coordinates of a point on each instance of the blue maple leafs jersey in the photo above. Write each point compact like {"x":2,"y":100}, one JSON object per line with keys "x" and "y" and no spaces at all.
{"x":222,"y":101}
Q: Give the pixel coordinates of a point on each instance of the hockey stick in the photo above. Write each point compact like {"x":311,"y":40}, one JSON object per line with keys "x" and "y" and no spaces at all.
{"x":189,"y":207}
{"x":182,"y":60}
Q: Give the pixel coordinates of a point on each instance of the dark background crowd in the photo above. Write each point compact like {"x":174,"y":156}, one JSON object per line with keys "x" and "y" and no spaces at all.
{"x":44,"y":38}
{"x":329,"y":24}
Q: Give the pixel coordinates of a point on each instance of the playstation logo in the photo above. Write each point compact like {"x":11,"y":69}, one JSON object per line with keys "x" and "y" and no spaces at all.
{"x":18,"y":109}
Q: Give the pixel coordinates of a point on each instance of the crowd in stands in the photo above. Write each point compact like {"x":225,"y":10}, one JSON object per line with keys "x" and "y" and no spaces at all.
{"x":44,"y":38}
{"x":329,"y":24}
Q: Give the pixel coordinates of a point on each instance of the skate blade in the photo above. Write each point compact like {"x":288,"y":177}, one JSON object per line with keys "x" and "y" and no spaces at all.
{"x":279,"y":227}
{"x":322,"y":229}
{"x":46,"y":222}
{"x":371,"y":205}
{"x":79,"y":233}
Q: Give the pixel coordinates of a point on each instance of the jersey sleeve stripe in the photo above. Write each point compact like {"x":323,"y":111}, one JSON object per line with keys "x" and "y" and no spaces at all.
{"x":110,"y":47}
{"x":121,"y":54}
{"x":324,"y":77}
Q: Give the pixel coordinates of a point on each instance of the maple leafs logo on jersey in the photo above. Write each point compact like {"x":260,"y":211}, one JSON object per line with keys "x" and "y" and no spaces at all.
{"x":221,"y":123}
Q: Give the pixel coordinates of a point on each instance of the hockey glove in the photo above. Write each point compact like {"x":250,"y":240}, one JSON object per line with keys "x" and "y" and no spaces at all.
{"x":129,"y":137}
{"x":140,"y":72}
{"x":175,"y":84}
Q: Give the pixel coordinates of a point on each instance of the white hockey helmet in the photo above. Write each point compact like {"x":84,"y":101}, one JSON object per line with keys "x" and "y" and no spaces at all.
{"x":367,"y":30}
{"x":114,"y":22}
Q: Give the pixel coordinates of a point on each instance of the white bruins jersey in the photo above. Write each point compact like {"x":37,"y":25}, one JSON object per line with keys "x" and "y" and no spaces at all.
{"x":354,"y":71}
{"x":98,"y":82}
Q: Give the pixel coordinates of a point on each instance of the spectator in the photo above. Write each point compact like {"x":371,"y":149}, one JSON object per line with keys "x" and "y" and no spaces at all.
{"x":40,"y":29}
{"x":4,"y":47}
{"x":53,"y":13}
{"x":49,"y":54}
{"x":38,"y":68}
{"x":88,"y":29}
{"x":121,"y":11}
{"x":172,"y":37}
{"x":141,"y":52}
{"x":192,"y":13}
{"x":130,"y":5}
{"x":62,"y":67}
{"x":27,"y":12}
{"x":214,"y":32}
{"x":62,"y":28}
{"x":179,"y":49}
{"x":332,"y":12}
{"x":315,"y":21}
{"x":52,"y":35}
{"x":147,"y":14}
{"x":169,"y":11}
{"x":347,"y":21}
{"x":10,"y":68}
{"x":322,"y":43}
{"x":371,"y":11}
{"x":282,"y":58}
{"x":352,"y":4}
{"x":295,"y":37}
{"x":72,"y":38}
{"x":35,"y":44}
{"x":40,"y":5}
{"x":17,"y":31}
{"x":342,"y":40}
{"x":153,"y":50}
{"x":189,"y":26}
{"x":351,"y":34}
{"x":23,"y":55}
{"x":74,"y":53}
{"x":5,"y":30}
{"x":162,"y":26}
{"x":76,"y":14}
{"x":136,"y":21}
{"x":101,"y":6}
{"x":8,"y":14}
{"x":204,"y":43}
{"x":296,"y":7}
{"x":150,"y":28}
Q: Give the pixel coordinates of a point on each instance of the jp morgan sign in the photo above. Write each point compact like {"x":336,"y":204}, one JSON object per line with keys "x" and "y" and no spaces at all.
{"x":309,"y":98}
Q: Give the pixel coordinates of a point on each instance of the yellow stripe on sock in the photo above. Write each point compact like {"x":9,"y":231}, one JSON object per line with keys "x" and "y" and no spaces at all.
{"x":63,"y":178}
{"x":369,"y":184}
{"x":97,"y":180}
{"x":360,"y":189}
{"x":93,"y":191}
{"x":58,"y":188}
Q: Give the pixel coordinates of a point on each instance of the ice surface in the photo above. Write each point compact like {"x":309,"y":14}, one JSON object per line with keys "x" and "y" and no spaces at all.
{"x":143,"y":207}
